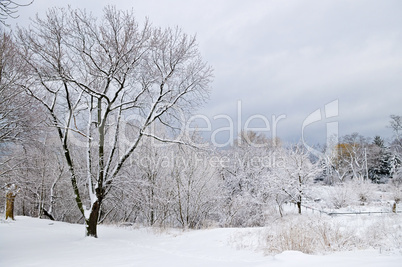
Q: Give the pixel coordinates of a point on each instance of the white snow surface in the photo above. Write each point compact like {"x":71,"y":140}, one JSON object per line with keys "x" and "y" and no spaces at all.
{"x":34,"y":242}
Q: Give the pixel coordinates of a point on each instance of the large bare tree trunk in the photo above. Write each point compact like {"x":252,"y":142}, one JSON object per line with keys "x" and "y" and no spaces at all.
{"x":92,"y":222}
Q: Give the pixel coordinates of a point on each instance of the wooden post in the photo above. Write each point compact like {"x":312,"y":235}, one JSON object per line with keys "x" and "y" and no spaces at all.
{"x":11,"y":192}
{"x":394,"y":207}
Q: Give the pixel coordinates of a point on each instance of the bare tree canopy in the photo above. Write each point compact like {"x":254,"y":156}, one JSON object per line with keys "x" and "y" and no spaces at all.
{"x":396,"y":125}
{"x":92,"y":74}
{"x":9,"y":9}
{"x":13,"y":103}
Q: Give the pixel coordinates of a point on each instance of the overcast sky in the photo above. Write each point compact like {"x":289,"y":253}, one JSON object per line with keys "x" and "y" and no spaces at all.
{"x":287,"y":58}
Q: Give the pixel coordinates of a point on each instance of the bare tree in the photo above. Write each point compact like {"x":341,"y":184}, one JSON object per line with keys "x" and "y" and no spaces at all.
{"x":396,"y":125}
{"x":9,"y":9}
{"x":13,"y":103}
{"x":196,"y":187}
{"x":92,"y":74}
{"x":16,"y":123}
{"x":245,"y":175}
{"x":350,"y":159}
{"x":293,"y":173}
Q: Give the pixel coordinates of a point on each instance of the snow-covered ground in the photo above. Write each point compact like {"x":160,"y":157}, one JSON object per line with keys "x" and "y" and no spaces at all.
{"x":35,"y":242}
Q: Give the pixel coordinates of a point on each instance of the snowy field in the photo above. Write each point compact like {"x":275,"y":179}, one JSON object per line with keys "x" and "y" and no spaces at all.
{"x":34,"y":242}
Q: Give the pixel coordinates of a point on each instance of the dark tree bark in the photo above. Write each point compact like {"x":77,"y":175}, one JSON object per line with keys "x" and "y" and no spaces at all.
{"x":46,"y":213}
{"x":92,"y":222}
{"x":299,"y":206}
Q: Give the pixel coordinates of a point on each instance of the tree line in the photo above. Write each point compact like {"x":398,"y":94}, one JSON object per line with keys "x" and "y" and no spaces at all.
{"x":89,"y":116}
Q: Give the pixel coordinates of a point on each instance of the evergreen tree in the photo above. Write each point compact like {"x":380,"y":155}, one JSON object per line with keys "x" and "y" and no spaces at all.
{"x":380,"y":161}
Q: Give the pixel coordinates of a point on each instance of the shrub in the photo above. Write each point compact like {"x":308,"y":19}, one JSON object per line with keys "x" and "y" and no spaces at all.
{"x":321,"y":234}
{"x":340,"y":196}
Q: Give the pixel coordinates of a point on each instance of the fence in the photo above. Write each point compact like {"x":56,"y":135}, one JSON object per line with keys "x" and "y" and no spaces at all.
{"x":347,"y":213}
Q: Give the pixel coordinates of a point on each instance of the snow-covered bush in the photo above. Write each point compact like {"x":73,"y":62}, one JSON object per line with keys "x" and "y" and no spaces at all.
{"x":322,"y":234}
{"x":290,"y":235}
{"x":339,"y":196}
{"x":395,"y":186}
{"x":309,"y":235}
{"x":364,"y":191}
{"x":350,"y":193}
